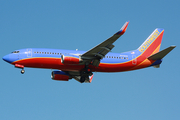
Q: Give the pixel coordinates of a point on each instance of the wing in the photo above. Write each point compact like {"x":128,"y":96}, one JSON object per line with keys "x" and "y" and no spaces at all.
{"x":98,"y":52}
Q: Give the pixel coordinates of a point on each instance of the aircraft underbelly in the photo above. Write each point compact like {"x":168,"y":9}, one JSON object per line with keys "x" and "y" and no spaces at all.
{"x":55,"y":63}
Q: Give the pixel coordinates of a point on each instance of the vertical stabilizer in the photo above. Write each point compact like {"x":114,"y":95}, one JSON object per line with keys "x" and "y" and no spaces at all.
{"x":152,"y":44}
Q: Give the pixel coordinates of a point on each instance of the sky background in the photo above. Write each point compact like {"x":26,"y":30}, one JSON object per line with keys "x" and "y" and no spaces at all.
{"x":146,"y":94}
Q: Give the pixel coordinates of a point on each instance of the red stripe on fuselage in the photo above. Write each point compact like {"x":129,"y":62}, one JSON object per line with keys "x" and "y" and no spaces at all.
{"x":49,"y":63}
{"x":55,"y":63}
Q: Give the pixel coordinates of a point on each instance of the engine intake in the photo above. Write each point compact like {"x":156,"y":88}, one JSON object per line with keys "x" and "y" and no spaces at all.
{"x":60,"y":75}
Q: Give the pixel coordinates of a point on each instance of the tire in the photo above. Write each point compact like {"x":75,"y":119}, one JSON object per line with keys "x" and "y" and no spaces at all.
{"x":82,"y":79}
{"x":22,"y":71}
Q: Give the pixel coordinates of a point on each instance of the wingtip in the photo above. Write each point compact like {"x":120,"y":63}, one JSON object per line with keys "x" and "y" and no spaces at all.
{"x":123,"y":29}
{"x":173,"y":46}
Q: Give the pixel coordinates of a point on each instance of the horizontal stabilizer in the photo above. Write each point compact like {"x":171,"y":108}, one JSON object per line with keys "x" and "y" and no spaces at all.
{"x":161,"y":54}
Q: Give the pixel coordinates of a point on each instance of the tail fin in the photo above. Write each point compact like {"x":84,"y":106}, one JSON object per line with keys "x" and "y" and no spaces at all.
{"x":152,"y":44}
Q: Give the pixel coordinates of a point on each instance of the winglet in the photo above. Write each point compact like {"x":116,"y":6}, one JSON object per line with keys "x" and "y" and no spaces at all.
{"x":123,"y":29}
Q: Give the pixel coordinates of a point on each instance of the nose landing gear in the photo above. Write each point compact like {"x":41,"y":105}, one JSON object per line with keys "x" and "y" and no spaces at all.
{"x":20,"y":66}
{"x":22,"y":71}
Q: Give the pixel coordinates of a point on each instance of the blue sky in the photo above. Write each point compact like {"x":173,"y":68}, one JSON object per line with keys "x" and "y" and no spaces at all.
{"x":144,"y":94}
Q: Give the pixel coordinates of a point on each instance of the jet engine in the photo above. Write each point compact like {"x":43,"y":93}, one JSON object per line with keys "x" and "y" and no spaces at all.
{"x":70,"y":60}
{"x":60,"y":75}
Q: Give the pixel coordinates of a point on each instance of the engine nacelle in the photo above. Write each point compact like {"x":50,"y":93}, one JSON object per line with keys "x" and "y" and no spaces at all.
{"x":70,"y":60}
{"x":60,"y":75}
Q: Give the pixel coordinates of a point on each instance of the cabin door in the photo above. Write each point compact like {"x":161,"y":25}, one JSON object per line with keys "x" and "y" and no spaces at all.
{"x":134,"y":60}
{"x":29,"y":52}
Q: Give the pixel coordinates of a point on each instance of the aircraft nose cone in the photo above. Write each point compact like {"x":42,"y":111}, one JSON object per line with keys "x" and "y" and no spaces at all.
{"x":6,"y":58}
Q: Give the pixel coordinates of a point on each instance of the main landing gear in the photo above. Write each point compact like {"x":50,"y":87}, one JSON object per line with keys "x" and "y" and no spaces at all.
{"x":83,"y":78}
{"x":85,"y":74}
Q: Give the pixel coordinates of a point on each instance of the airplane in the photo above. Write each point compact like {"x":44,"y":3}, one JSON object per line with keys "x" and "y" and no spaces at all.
{"x":80,"y":65}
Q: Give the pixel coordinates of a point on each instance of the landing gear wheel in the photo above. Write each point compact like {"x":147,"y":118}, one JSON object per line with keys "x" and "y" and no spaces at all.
{"x":22,"y":71}
{"x":82,"y":79}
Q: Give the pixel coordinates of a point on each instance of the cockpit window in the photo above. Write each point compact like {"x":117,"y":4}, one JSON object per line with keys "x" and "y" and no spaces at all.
{"x":15,"y":52}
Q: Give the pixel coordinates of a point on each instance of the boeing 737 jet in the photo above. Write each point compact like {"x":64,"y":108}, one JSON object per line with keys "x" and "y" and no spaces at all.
{"x":80,"y":65}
